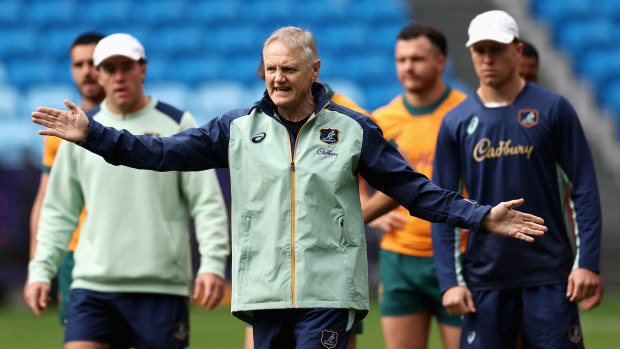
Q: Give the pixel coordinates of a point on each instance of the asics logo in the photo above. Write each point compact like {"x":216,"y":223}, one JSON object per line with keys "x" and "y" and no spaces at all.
{"x":259,"y":137}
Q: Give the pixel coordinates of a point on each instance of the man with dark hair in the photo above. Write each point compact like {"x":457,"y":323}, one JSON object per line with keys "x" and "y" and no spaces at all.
{"x":528,"y":68}
{"x":84,"y":76}
{"x":515,"y":138}
{"x":132,"y":274}
{"x":408,"y":288}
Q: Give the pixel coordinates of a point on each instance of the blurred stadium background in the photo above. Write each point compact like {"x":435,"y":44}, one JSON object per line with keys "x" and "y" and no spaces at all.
{"x":203,"y":55}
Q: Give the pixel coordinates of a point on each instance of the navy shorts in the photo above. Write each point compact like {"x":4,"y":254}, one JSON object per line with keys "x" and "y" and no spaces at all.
{"x":139,"y":320}
{"x":318,"y":328}
{"x":547,"y":319}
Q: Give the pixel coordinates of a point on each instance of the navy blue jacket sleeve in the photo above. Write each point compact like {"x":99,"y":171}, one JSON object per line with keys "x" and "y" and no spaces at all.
{"x":446,"y":240}
{"x":385,"y":169}
{"x":194,"y":149}
{"x":575,"y":160}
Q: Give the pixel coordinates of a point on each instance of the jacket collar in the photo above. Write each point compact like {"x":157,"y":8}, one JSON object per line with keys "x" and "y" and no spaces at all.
{"x":318,"y":91}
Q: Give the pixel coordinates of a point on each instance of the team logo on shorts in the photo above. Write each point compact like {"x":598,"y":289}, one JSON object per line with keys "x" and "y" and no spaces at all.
{"x":329,"y":339}
{"x":329,"y":135}
{"x":180,"y":330}
{"x":471,"y":336}
{"x":574,"y":334}
{"x":528,"y":117}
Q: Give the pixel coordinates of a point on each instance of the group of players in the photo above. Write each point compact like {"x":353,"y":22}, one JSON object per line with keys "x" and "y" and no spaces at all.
{"x":509,"y":139}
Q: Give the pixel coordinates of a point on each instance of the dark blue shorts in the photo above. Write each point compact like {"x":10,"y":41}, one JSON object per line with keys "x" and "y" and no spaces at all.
{"x":301,"y":328}
{"x":138,"y":320}
{"x":546,"y":317}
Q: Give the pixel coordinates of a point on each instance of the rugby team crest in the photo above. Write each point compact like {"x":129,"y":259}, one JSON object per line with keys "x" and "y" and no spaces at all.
{"x":329,"y":339}
{"x":528,"y":117}
{"x":329,"y":135}
{"x":574,"y":334}
{"x":180,"y":330}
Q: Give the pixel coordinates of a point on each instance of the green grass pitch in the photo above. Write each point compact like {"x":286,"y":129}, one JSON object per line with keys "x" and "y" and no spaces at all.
{"x":20,"y":329}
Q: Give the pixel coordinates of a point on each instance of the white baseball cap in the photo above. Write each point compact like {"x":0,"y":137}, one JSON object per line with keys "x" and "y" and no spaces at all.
{"x":119,"y":44}
{"x":493,"y":25}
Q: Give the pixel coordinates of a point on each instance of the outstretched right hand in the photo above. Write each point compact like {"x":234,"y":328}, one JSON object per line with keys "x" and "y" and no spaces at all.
{"x":70,"y":125}
{"x":37,"y":297}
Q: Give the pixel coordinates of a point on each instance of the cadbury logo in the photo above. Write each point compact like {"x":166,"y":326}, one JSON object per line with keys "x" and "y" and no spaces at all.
{"x":322,"y":151}
{"x":484,"y":150}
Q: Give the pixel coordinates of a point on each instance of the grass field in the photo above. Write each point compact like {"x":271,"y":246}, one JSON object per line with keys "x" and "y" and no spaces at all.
{"x":20,"y":329}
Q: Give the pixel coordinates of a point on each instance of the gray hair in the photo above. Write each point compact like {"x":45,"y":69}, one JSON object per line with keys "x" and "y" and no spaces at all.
{"x":294,"y":37}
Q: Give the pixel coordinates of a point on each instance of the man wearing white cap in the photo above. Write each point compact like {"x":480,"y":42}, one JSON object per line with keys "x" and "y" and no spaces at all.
{"x":132,"y":270}
{"x":513,"y":138}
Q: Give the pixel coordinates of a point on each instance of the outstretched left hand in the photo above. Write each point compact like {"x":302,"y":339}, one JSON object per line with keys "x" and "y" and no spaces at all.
{"x":503,"y":220}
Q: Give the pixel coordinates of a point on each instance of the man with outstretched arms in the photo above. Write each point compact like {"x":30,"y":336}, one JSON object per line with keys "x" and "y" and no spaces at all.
{"x":515,"y":138}
{"x":300,"y":274}
{"x":132,"y":272}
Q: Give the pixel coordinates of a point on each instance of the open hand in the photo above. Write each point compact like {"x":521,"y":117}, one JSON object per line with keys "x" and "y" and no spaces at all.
{"x":503,"y":220}
{"x":70,"y":125}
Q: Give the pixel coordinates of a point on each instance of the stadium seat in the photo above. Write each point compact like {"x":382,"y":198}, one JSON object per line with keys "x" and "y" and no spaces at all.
{"x":17,"y":41}
{"x":24,"y":72}
{"x":277,"y":12}
{"x":242,"y":39}
{"x":159,"y":11}
{"x":49,"y":95}
{"x":99,"y":13}
{"x":378,"y":95}
{"x":579,"y":36}
{"x":10,"y":12}
{"x":43,"y":13}
{"x":175,"y":39}
{"x":197,"y":69}
{"x":349,"y":89}
{"x":599,"y":66}
{"x":376,"y":13}
{"x":174,"y":93}
{"x":349,"y":38}
{"x":216,"y":97}
{"x":159,"y":68}
{"x":57,"y":40}
{"x":214,"y":12}
{"x":562,"y":11}
{"x":9,"y":99}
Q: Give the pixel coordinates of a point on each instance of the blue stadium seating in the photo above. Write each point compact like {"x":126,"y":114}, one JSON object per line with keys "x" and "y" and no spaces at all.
{"x":10,"y":12}
{"x":590,"y":32}
{"x":582,"y":35}
{"x":98,"y":12}
{"x":159,"y":11}
{"x":17,"y":42}
{"x":171,"y":92}
{"x":176,"y":39}
{"x":214,"y":98}
{"x":562,"y":11}
{"x":42,"y":12}
{"x":49,"y":94}
{"x":24,"y":72}
{"x":201,"y":48}
{"x":9,"y":99}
